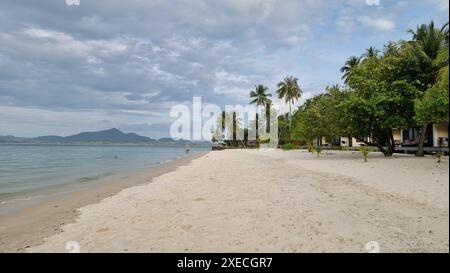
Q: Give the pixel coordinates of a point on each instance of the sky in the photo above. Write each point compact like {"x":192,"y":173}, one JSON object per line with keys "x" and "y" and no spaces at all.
{"x":123,"y":64}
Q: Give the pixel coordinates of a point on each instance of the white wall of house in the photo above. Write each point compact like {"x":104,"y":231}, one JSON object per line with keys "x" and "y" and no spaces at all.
{"x":440,"y":134}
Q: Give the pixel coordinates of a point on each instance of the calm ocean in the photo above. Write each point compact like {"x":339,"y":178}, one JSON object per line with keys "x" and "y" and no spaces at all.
{"x":29,"y":169}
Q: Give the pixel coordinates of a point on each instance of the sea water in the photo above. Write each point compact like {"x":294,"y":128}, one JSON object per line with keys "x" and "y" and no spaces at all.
{"x":27,"y":170}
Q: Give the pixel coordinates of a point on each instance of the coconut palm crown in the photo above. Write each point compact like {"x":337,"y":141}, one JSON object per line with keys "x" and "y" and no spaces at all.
{"x":290,"y":91}
{"x":350,"y":64}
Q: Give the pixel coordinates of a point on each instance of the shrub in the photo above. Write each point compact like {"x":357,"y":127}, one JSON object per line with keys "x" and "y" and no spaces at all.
{"x":288,"y":146}
{"x":318,"y":150}
{"x":439,"y":155}
{"x":364,"y":151}
{"x":264,"y":139}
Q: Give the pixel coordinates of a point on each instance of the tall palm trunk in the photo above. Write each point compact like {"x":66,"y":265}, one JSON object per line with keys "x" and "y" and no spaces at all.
{"x":290,"y":116}
{"x":268,"y":109}
{"x":257,"y":123}
{"x":290,"y":122}
{"x":422,"y":135}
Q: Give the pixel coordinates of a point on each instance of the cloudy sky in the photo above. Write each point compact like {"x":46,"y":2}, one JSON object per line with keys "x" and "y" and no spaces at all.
{"x":114,"y":63}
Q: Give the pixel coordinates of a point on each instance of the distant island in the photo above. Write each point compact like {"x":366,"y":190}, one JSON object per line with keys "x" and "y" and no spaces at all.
{"x":112,"y":136}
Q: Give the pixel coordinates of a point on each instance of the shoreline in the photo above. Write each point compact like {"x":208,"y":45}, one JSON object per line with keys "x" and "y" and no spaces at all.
{"x":256,"y":201}
{"x":272,"y":201}
{"x":49,"y":215}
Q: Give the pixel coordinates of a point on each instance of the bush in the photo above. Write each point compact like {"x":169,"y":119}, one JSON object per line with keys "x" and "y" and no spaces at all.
{"x":264,"y":139}
{"x":319,"y":150}
{"x":364,"y":151}
{"x":439,"y":155}
{"x":288,"y":146}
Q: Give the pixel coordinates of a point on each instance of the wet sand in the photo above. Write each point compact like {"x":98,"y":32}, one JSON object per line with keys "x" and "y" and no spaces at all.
{"x":27,"y":227}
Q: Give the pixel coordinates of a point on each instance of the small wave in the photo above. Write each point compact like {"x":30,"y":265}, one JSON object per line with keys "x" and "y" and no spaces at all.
{"x":92,"y":178}
{"x":11,"y":201}
{"x":165,"y":161}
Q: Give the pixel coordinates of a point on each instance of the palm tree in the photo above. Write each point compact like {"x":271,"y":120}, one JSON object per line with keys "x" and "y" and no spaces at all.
{"x":350,"y":64}
{"x":291,"y":92}
{"x":268,"y":112}
{"x":260,"y":98}
{"x":259,"y":95}
{"x":229,"y":125}
{"x":428,"y":40}
{"x":371,"y":52}
{"x":442,"y":60}
{"x":427,"y":47}
{"x":219,"y":132}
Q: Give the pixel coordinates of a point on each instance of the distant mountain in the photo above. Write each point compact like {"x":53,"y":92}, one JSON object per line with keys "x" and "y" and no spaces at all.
{"x":13,"y":139}
{"x":168,"y":139}
{"x":48,"y":138}
{"x":111,"y":135}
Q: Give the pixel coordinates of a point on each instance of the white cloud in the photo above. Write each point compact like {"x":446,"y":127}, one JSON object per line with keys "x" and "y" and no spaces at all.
{"x":346,"y":22}
{"x":59,"y":41}
{"x":373,"y":2}
{"x":135,"y":59}
{"x":379,"y":24}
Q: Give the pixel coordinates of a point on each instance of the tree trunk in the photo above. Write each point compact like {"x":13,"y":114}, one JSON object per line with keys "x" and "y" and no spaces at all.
{"x":350,"y":141}
{"x":290,"y":122}
{"x":290,"y":116}
{"x":389,"y":150}
{"x":422,"y":135}
{"x":257,"y":125}
{"x":391,"y":144}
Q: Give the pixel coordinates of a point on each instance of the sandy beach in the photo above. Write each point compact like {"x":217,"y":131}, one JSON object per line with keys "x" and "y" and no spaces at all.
{"x":21,"y":229}
{"x":268,"y":201}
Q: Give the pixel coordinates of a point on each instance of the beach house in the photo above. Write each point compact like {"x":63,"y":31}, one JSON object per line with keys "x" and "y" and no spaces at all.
{"x":436,"y":135}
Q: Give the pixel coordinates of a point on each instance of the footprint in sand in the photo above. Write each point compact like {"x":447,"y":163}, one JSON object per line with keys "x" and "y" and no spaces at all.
{"x":186,"y":227}
{"x":101,"y":230}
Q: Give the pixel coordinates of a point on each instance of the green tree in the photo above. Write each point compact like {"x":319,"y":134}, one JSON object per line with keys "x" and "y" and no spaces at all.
{"x":349,"y":65}
{"x":433,"y":106}
{"x":260,"y":97}
{"x":219,"y":130}
{"x":308,"y":121}
{"x":382,"y":98}
{"x":371,"y":52}
{"x":230,"y":126}
{"x":290,"y":91}
{"x":427,"y":50}
{"x":320,"y":117}
{"x":284,"y":135}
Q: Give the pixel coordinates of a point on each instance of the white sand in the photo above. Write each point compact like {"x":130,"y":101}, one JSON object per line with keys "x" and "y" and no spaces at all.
{"x":273,"y":201}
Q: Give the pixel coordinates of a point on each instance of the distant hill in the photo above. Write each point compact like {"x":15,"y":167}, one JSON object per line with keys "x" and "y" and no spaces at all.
{"x":168,"y":139}
{"x":111,"y":135}
{"x":48,"y":138}
{"x":13,"y":139}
